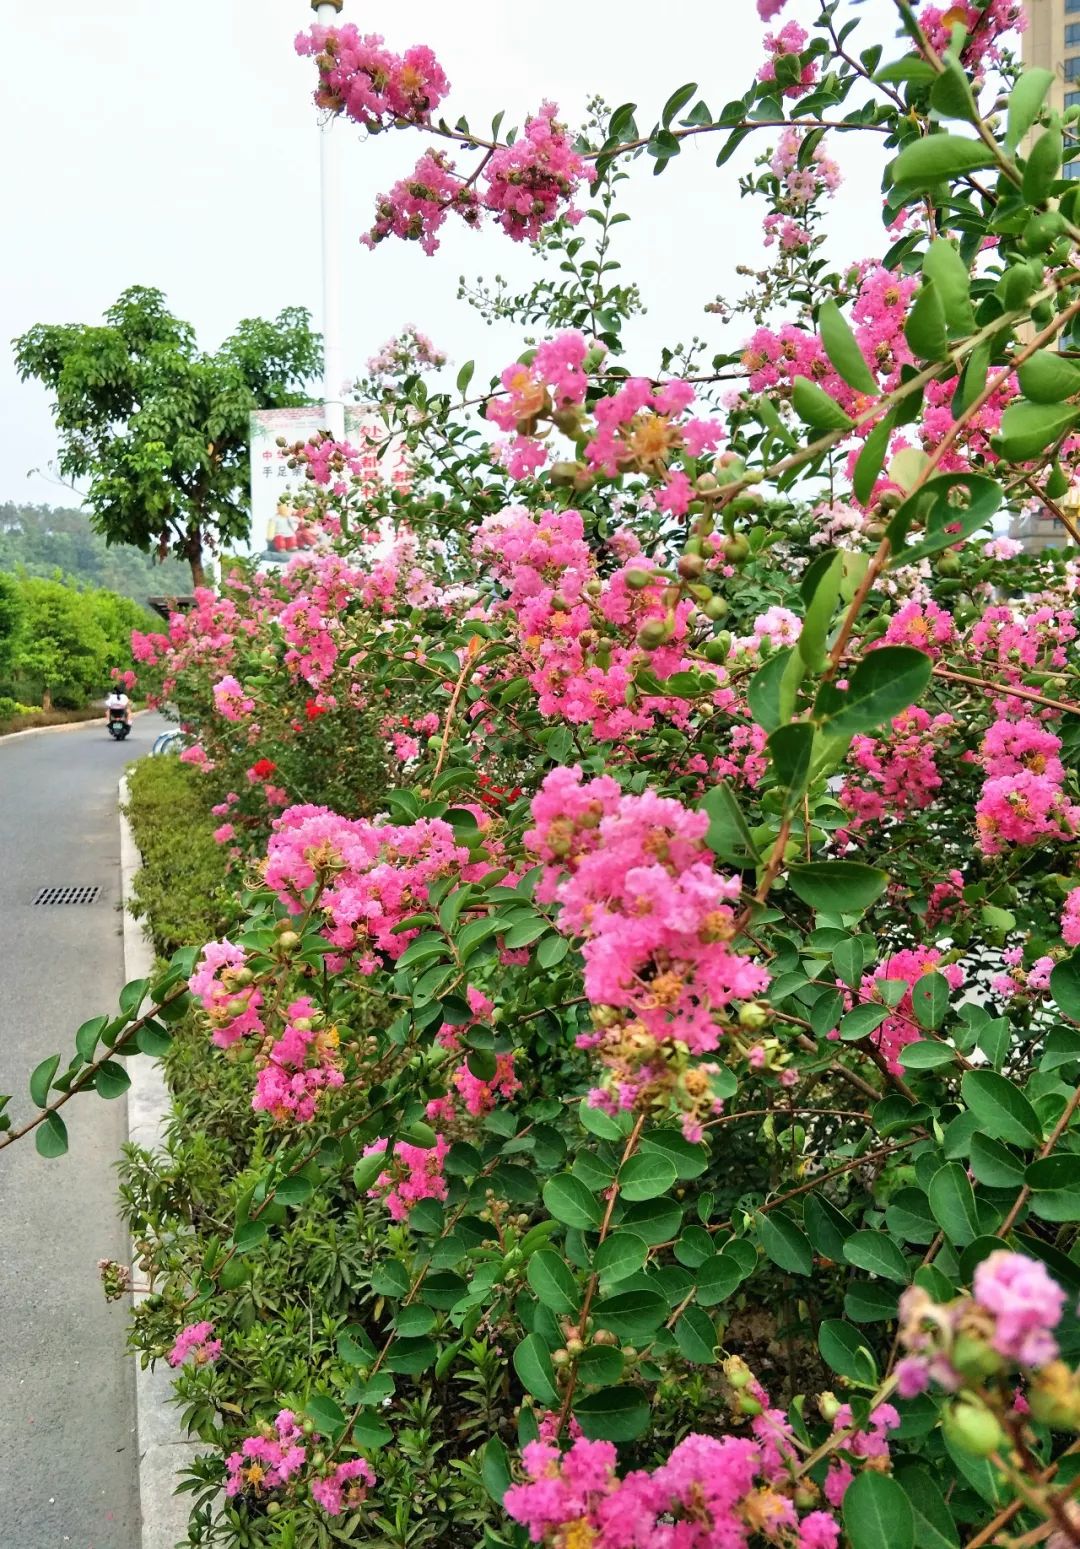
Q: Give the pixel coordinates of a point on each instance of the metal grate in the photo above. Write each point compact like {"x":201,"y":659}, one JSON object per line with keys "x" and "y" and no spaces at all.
{"x":67,"y":895}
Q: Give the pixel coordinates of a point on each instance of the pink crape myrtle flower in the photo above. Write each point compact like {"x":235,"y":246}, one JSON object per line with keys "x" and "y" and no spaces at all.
{"x":231,"y":701}
{"x":1070,"y":919}
{"x":1026,"y":1305}
{"x":267,"y":1461}
{"x":345,"y":1488}
{"x":197,"y":1342}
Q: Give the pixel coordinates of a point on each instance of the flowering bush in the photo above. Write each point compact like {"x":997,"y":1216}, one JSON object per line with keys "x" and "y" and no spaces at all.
{"x":651,"y":1015}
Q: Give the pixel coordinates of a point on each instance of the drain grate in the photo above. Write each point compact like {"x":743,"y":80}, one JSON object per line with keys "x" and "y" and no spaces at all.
{"x":67,"y":895}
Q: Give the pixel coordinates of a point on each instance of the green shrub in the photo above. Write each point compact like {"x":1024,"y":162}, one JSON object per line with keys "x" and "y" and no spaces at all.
{"x":180,"y":888}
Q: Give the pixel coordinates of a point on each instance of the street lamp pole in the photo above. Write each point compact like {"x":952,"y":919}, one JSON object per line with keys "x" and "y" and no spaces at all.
{"x":327,"y":12}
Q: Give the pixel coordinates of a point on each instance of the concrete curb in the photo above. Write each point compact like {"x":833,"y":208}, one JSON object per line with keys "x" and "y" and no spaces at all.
{"x":162,"y":1448}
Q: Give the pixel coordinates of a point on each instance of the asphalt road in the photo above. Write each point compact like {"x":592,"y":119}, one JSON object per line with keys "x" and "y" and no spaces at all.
{"x":68,"y":1454}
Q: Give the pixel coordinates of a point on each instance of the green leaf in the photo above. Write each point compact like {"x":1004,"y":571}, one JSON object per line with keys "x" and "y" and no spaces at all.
{"x":827,"y":1228}
{"x":815,"y":408}
{"x":250,"y":1235}
{"x":784,"y":1242}
{"x":111,"y":1079}
{"x":570,"y":1202}
{"x":1027,"y":429}
{"x":838,"y":887}
{"x":949,"y":508}
{"x":930,"y":999}
{"x":552,"y":950}
{"x":367,"y":1170}
{"x":885,"y":682}
{"x":926,"y":1055}
{"x":934,"y":1526}
{"x":994,"y":1164}
{"x":908,"y":1215}
{"x":613,"y":1414}
{"x":495,"y":1469}
{"x":1025,"y":104}
{"x":951,"y":95}
{"x":936,"y":158}
{"x":646,"y":1175}
{"x":152,"y":1039}
{"x":411,"y":1356}
{"x":633,"y":1315}
{"x":926,"y":330}
{"x":553,"y":1282}
{"x":41,"y":1080}
{"x":695,"y":1335}
{"x":849,"y":960}
{"x":845,"y":1351}
{"x":763,"y":691}
{"x":132,"y":996}
{"x":877,"y":1513}
{"x":1047,"y":377}
{"x":621,"y":1254}
{"x":728,"y":835}
{"x":293,"y":1191}
{"x":952,"y":283}
{"x":465,"y":376}
{"x":369,"y":1432}
{"x":1065,"y":986}
{"x":878,"y":1255}
{"x":532,"y":1362}
{"x":326,"y":1414}
{"x":676,"y":102}
{"x":953,"y":1204}
{"x":871,"y":459}
{"x":843,"y":351}
{"x":1003,"y":1111}
{"x":861,"y":1021}
{"x":87,"y":1036}
{"x":51,"y":1136}
{"x":718,"y":1278}
{"x":1043,"y":165}
{"x":820,"y":589}
{"x":790,"y":748}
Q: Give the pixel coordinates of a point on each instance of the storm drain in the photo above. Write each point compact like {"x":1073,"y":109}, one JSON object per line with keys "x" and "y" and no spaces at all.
{"x":67,"y":895}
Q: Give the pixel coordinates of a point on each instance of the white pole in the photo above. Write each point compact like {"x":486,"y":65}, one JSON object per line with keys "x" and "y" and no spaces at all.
{"x":330,"y":177}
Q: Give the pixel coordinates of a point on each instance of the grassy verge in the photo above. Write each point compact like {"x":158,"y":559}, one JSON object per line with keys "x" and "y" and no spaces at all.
{"x":181,"y":888}
{"x":27,"y":720}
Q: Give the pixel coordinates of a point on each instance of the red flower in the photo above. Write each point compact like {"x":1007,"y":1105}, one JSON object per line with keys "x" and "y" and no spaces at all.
{"x":263,"y":769}
{"x":313,"y":710}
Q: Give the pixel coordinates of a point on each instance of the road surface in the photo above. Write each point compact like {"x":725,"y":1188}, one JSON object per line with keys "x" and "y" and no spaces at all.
{"x":68,"y":1455}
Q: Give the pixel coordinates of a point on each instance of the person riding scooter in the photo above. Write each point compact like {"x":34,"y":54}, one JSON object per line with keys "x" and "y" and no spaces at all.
{"x":117,"y":706}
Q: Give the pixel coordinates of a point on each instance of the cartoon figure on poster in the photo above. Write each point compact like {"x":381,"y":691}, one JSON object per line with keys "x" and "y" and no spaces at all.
{"x":288,"y":531}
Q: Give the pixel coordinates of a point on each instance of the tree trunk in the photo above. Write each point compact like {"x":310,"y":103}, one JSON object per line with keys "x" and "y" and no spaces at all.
{"x":46,"y":698}
{"x":193,"y":552}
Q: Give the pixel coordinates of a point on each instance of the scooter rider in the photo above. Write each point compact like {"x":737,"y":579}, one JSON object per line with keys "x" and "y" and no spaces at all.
{"x":117,"y":704}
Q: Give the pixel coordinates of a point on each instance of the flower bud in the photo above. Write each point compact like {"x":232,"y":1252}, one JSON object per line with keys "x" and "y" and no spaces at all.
{"x":973,"y":1428}
{"x":737,"y":1372}
{"x":288,"y":940}
{"x":691,"y":566}
{"x":574,"y":1347}
{"x":564,"y":475}
{"x":638,"y":580}
{"x":829,"y":1406}
{"x":715,"y":609}
{"x":652,"y":634}
{"x":753,"y":1014}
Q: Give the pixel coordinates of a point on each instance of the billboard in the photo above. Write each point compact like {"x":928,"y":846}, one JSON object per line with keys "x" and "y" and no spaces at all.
{"x":279,"y":505}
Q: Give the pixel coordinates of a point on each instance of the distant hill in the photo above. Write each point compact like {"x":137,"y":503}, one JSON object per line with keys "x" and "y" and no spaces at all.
{"x":43,"y":539}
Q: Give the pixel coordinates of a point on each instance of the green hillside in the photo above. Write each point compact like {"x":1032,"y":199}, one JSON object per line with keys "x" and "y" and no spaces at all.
{"x":40,"y":540}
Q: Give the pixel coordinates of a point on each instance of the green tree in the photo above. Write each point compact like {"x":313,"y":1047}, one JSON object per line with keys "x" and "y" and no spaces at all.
{"x":158,"y":427}
{"x":12,"y":623}
{"x":63,"y":646}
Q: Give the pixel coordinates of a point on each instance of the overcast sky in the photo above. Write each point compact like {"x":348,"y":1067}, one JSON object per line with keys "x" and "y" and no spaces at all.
{"x":177,"y":146}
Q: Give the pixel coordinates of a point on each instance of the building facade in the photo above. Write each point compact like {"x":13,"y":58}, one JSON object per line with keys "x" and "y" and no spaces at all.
{"x":1052,"y":41}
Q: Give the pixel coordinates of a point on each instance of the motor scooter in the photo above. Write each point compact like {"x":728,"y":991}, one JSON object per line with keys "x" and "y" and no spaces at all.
{"x":119,"y":725}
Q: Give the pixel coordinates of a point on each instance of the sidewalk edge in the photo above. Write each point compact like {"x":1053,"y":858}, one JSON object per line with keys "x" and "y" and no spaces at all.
{"x":163,"y":1450}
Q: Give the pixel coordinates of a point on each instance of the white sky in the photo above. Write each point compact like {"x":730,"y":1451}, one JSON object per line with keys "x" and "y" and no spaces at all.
{"x":176,"y":146}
